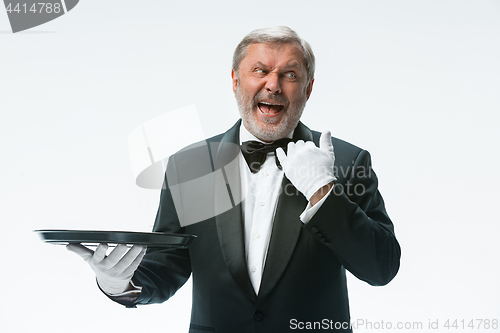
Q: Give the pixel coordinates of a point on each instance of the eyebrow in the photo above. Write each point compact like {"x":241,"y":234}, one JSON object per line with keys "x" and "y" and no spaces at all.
{"x":288,"y":66}
{"x":261,"y":64}
{"x":292,"y":65}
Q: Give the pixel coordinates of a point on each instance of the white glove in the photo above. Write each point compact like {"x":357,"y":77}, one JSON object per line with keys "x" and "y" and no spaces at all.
{"x":308,"y":167}
{"x":113,"y":272}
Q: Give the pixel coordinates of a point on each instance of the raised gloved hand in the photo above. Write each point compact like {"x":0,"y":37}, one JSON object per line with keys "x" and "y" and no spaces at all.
{"x":308,"y":167}
{"x":113,"y":272}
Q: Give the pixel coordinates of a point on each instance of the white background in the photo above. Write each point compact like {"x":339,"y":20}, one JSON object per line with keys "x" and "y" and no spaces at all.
{"x":417,"y":83}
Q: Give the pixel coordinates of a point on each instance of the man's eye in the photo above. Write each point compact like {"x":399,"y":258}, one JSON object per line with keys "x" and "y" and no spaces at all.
{"x":291,"y":75}
{"x":259,"y":70}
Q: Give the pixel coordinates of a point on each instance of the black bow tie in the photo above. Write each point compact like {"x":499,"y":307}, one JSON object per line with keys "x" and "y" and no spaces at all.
{"x":255,"y":152}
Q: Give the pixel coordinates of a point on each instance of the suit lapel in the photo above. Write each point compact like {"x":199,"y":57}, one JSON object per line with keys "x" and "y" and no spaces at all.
{"x":286,"y":226}
{"x":230,"y":229}
{"x":229,"y":223}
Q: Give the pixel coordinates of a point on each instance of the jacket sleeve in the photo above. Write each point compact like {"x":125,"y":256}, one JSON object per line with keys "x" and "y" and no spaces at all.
{"x":354,"y":224}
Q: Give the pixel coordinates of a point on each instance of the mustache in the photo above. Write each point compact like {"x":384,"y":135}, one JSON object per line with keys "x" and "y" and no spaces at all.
{"x":275,"y":97}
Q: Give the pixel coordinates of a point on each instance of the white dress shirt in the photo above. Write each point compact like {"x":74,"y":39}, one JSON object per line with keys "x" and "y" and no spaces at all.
{"x":260,"y":192}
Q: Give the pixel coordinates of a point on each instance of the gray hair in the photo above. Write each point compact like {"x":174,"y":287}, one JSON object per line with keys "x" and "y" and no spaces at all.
{"x":278,"y":36}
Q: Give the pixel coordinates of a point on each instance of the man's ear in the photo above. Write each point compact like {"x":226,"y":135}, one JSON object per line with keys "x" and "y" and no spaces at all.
{"x":235,"y":80}
{"x":309,"y":88}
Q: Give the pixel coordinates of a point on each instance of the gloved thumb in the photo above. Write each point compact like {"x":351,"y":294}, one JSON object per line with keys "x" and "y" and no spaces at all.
{"x":325,"y":141}
{"x":81,"y":250}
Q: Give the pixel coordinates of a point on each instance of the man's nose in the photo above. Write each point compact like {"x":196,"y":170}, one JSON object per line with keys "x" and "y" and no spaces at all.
{"x":273,"y":85}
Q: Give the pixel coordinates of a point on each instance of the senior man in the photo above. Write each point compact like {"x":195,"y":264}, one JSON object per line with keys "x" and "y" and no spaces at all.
{"x":290,"y":216}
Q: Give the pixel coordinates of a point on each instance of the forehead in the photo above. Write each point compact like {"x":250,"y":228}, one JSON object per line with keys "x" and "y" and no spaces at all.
{"x":274,"y":55}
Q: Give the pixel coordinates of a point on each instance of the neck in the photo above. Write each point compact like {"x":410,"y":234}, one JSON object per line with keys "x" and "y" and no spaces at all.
{"x":246,"y":135}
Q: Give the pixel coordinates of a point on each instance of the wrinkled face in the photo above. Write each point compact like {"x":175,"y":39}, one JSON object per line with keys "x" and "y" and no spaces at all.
{"x":271,"y":89}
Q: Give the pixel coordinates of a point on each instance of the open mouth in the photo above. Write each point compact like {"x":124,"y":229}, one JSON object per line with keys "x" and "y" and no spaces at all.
{"x":270,"y":108}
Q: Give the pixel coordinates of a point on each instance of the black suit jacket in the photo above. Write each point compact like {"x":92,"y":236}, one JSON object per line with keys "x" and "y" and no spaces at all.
{"x":304,"y":277}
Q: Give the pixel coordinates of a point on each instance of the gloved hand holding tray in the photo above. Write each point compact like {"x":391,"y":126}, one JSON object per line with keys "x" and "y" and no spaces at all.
{"x":89,"y":237}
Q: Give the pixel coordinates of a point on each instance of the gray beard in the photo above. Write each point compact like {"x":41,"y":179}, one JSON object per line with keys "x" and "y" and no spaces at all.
{"x":271,"y":130}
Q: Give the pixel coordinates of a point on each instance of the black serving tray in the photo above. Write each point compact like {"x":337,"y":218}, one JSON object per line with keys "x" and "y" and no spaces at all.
{"x":89,"y":237}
